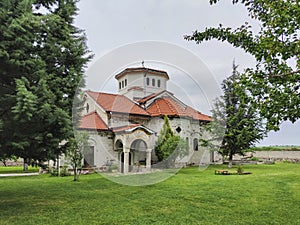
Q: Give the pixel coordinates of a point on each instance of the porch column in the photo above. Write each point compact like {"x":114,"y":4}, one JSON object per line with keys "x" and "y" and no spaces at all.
{"x":148,"y":159}
{"x":126,"y":160}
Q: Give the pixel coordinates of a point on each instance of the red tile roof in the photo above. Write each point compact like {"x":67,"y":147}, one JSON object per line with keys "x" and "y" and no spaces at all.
{"x":117,"y":103}
{"x":170,"y":107}
{"x":92,"y":121}
{"x":161,"y":106}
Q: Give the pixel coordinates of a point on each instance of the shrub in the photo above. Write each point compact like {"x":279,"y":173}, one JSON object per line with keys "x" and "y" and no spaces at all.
{"x":240,"y":170}
{"x":64,"y":171}
{"x":112,"y":167}
{"x":53,"y":172}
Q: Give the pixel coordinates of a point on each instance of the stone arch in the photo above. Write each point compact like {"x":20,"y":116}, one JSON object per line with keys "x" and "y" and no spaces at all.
{"x":118,"y":145}
{"x":138,"y":135}
{"x":132,"y":147}
{"x":138,"y":149}
{"x":89,"y":155}
{"x":195,"y":144}
{"x":138,"y":145}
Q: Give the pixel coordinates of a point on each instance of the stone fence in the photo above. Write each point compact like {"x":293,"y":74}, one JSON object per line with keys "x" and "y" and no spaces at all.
{"x":278,"y":155}
{"x":272,"y":155}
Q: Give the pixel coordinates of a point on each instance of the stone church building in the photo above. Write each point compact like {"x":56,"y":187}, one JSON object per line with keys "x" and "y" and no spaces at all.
{"x":124,"y":127}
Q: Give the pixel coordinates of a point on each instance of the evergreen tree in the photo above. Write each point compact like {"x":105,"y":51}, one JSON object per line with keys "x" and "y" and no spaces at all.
{"x":170,"y":147}
{"x":42,"y":60}
{"x":275,"y":80}
{"x":237,"y":125}
{"x":165,"y":134}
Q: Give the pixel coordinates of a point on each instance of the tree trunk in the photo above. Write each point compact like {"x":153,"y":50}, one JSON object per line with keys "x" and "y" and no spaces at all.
{"x":57,"y":162}
{"x":4,"y":162}
{"x":25,"y":165}
{"x":75,"y":173}
{"x":230,"y":161}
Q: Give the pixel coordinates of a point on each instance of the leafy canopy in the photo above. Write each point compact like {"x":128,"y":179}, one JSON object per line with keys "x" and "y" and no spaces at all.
{"x":275,"y":81}
{"x":42,"y":61}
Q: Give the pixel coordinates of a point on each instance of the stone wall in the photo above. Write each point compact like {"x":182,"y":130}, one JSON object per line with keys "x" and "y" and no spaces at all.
{"x":103,"y":148}
{"x":271,"y":155}
{"x":278,"y":155}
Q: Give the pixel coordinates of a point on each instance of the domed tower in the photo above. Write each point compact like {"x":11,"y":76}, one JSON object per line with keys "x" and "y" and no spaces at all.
{"x":137,"y":83}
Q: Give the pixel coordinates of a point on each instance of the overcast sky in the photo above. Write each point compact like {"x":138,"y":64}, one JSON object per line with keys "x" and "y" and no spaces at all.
{"x":121,"y":33}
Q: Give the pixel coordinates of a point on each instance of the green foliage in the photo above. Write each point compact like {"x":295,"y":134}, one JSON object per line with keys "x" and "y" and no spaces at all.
{"x":25,"y":101}
{"x":254,"y":158}
{"x":53,"y":172}
{"x":4,"y":158}
{"x":275,"y":148}
{"x":170,"y":147}
{"x":237,"y":125}
{"x":64,"y":171}
{"x":274,"y":82}
{"x":165,"y":133}
{"x":75,"y":151}
{"x":239,"y":170}
{"x":42,"y":61}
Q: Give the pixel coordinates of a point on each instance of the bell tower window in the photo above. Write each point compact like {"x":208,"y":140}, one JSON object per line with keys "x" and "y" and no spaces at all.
{"x":153,"y":82}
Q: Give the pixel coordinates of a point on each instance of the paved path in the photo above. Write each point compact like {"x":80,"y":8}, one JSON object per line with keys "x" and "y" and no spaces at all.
{"x":18,"y":174}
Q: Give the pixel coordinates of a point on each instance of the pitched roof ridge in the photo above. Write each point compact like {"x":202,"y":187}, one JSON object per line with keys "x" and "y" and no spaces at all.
{"x":171,"y":107}
{"x":157,"y":106}
{"x":92,"y":124}
{"x":107,"y":104}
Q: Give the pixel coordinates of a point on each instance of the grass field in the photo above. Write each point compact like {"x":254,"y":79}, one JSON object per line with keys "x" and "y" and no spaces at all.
{"x":270,"y":195}
{"x":17,"y":169}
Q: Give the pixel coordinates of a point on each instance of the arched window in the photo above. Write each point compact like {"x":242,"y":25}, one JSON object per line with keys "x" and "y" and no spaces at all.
{"x":153,"y":82}
{"x":87,"y":107}
{"x":148,"y":81}
{"x":158,"y":83}
{"x":125,"y":82}
{"x":195,"y":144}
{"x":122,"y":83}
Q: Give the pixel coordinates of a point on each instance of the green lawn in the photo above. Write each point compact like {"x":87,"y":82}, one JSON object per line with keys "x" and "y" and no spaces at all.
{"x":270,"y":195}
{"x":17,"y":169}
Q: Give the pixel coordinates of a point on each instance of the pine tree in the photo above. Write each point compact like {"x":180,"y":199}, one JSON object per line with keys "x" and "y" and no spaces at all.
{"x":42,"y":61}
{"x":237,"y":125}
{"x":165,"y":134}
{"x":170,"y":147}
